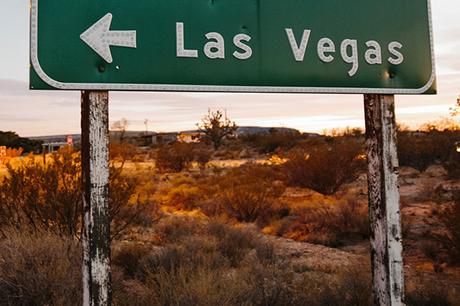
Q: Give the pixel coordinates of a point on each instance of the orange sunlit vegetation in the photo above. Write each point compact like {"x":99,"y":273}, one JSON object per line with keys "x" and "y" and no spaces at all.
{"x":279,"y":212}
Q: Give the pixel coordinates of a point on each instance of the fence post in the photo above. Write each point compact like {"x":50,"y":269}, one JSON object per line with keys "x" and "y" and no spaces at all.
{"x":384,"y":202}
{"x":95,"y":181}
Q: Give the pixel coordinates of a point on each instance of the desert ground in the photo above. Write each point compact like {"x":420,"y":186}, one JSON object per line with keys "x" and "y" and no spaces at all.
{"x":251,"y":223}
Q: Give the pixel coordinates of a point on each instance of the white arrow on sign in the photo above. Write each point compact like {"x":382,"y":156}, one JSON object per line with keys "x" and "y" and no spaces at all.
{"x":99,"y":38}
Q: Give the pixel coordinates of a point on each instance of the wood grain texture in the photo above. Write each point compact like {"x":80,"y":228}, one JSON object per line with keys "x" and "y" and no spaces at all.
{"x":384,"y":201}
{"x":95,"y":179}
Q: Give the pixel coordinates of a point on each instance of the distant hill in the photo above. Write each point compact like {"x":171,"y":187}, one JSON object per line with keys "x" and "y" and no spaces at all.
{"x":242,"y":130}
{"x":251,"y":130}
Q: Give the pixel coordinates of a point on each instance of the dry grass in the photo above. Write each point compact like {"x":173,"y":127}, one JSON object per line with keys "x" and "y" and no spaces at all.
{"x":209,"y":264}
{"x":422,"y":291}
{"x":39,"y":269}
{"x":213,"y":259}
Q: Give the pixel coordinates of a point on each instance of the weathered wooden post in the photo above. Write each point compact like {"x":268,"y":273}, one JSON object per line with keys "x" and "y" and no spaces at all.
{"x":95,"y":176}
{"x":384,"y":208}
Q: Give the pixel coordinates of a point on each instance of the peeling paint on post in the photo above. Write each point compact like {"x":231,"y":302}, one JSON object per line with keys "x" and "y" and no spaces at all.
{"x":95,"y":176}
{"x":384,"y":206}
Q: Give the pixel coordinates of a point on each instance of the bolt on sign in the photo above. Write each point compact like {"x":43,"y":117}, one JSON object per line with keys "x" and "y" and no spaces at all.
{"x":328,"y":46}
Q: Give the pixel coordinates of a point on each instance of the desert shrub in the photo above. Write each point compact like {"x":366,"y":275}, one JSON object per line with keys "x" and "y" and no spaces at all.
{"x":355,"y":284}
{"x":120,"y":152}
{"x":250,"y":192}
{"x":177,"y":255}
{"x":351,"y":285}
{"x":45,"y":269}
{"x":453,"y":164}
{"x":235,"y":243}
{"x":277,"y":285}
{"x":326,"y":167}
{"x":329,"y":224}
{"x":186,"y":286}
{"x":127,"y":206}
{"x":430,"y":249}
{"x":272,"y":141}
{"x":344,"y":132}
{"x":39,"y":268}
{"x":202,"y":155}
{"x":130,"y":257}
{"x":269,"y":285}
{"x":184,"y":196}
{"x":432,"y":192}
{"x":451,"y":219}
{"x":174,"y":157}
{"x":43,"y":196}
{"x":173,"y":229}
{"x":49,"y":196}
{"x":424,"y":292}
{"x":421,"y":150}
{"x":213,"y":265}
{"x":14,"y":152}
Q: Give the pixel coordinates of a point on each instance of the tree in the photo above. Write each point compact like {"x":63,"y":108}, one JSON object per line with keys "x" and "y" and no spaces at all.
{"x":120,"y":127}
{"x":216,"y":127}
{"x":12,"y":140}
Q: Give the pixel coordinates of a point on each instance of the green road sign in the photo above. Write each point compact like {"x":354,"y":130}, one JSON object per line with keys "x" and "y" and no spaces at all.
{"x":327,"y":46}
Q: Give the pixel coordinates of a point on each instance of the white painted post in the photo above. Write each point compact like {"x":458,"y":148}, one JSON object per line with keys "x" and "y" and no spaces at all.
{"x":384,"y":206}
{"x":95,"y":179}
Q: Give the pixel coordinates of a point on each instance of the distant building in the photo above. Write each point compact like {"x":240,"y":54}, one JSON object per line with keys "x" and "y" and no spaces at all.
{"x":163,"y":138}
{"x":190,"y":136}
{"x":51,"y":147}
{"x":70,"y":140}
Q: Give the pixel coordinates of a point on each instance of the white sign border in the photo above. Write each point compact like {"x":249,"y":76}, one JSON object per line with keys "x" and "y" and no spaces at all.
{"x":211,"y":88}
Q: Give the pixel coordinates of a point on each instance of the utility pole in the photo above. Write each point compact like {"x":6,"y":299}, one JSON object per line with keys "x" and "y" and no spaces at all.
{"x":146,"y":123}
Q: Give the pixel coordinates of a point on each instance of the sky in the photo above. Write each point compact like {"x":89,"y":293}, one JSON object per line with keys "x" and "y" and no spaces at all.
{"x":36,"y":113}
